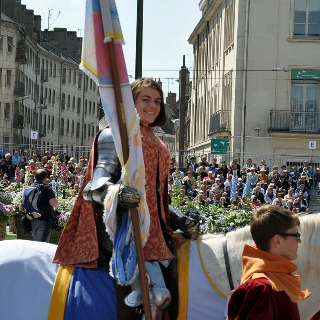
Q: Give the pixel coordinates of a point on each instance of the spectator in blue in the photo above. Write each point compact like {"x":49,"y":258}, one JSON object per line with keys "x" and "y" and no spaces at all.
{"x":270,"y":194}
{"x":16,"y":159}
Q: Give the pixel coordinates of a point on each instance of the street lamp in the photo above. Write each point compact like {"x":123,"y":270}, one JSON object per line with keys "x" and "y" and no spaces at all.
{"x":24,"y":97}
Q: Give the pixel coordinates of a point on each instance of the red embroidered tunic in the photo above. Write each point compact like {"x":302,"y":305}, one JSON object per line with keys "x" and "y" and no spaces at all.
{"x":156,"y":161}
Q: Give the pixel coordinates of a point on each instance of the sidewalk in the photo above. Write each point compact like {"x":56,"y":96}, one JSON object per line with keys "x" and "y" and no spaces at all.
{"x":314,"y":204}
{"x":9,"y":233}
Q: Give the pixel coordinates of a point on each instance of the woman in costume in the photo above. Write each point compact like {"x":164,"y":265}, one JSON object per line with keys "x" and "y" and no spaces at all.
{"x":85,"y":244}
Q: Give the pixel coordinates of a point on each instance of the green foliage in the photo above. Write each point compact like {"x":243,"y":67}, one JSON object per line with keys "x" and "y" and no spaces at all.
{"x":212,"y":218}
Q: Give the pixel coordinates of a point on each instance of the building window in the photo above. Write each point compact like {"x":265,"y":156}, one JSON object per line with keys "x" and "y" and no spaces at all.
{"x":227,"y":91}
{"x":62,"y":127}
{"x":52,"y":124}
{"x":79,"y":106}
{"x":1,"y":42}
{"x":10,"y":44}
{"x":64,"y":75}
{"x":63,"y":101}
{"x":304,"y":105}
{"x":86,"y":79}
{"x":80,"y":81}
{"x":73,"y":103}
{"x":307,"y":18}
{"x":69,"y":100}
{"x":0,"y":77}
{"x":229,"y":25}
{"x":7,"y":111}
{"x":68,"y":126}
{"x":8,"y":79}
{"x":72,"y":127}
{"x":78,"y":130}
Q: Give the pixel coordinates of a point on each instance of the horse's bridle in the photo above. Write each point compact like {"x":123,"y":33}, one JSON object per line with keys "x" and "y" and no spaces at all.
{"x":227,"y":262}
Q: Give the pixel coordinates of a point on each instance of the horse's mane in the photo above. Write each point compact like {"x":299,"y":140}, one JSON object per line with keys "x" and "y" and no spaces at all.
{"x":211,"y":253}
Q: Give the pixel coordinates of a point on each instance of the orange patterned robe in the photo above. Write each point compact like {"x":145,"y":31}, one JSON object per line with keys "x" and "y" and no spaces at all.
{"x":156,"y":160}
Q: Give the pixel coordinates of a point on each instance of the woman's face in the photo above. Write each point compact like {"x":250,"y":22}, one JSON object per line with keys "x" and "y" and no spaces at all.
{"x":148,"y":105}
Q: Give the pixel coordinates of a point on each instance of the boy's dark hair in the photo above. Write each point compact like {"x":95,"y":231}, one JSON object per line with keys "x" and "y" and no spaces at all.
{"x":268,"y":221}
{"x":142,"y":83}
{"x":40,"y":175}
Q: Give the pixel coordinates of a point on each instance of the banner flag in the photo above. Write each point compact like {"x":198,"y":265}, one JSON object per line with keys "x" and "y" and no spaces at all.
{"x":101,"y":26}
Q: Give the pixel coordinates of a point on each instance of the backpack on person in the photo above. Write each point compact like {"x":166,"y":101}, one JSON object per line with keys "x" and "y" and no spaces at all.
{"x":32,"y":197}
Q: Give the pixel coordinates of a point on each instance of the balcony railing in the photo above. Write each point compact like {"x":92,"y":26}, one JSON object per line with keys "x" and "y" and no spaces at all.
{"x":220,"y":121}
{"x":293,"y":121}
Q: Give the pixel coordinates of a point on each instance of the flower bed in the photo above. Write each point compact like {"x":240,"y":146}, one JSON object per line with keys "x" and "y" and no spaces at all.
{"x":213,"y":218}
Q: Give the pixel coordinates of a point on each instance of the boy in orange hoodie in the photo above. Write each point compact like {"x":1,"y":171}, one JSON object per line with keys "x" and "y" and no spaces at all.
{"x":268,"y":289}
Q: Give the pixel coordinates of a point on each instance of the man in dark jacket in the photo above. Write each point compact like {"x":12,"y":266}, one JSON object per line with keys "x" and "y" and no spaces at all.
{"x":41,"y":213}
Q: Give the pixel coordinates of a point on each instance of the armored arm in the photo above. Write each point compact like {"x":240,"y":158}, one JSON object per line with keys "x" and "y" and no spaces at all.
{"x":107,"y":171}
{"x":187,"y":225}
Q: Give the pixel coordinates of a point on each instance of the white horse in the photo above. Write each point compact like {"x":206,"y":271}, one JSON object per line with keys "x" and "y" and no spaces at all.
{"x":27,"y":274}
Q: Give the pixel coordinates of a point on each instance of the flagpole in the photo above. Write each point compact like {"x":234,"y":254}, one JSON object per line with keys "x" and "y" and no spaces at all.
{"x":125,"y":150}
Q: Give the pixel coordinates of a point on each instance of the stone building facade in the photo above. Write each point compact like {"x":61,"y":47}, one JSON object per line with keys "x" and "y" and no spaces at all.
{"x":255,"y":80}
{"x":46,"y":102}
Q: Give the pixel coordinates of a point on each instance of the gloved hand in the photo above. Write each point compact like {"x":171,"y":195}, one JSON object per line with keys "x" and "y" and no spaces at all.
{"x":191,"y":230}
{"x":128,"y":197}
{"x":189,"y":227}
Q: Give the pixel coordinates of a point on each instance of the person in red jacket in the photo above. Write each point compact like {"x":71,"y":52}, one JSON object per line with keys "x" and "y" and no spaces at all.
{"x":269,"y":289}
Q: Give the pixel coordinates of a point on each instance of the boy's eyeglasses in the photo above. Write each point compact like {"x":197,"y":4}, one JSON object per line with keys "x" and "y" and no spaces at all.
{"x":296,"y":235}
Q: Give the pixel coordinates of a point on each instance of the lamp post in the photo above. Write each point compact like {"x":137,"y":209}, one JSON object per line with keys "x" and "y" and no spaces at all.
{"x":139,"y":37}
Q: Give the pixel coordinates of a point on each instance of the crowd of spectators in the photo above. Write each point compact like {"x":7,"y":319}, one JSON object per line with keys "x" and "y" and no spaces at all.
{"x":63,"y":168}
{"x":212,"y":183}
{"x":251,"y":184}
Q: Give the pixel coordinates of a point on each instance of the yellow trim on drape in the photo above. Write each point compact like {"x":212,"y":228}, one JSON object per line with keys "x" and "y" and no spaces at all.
{"x":60,"y":293}
{"x":207,"y":273}
{"x":183,"y":276}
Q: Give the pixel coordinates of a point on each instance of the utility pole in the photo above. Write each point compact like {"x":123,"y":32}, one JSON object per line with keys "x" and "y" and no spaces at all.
{"x":182,"y":110}
{"x":139,"y":38}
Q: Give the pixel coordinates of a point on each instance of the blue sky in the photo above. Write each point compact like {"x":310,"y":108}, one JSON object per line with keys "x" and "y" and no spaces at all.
{"x":167,"y":27}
